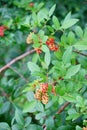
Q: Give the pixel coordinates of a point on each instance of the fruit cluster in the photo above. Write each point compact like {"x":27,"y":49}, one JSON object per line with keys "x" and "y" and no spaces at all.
{"x":51,"y":44}
{"x":2,"y":28}
{"x":29,"y":40}
{"x":38,"y":50}
{"x":41,"y":94}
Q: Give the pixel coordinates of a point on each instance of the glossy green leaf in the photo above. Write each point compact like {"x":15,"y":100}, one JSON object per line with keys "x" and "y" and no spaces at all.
{"x":49,"y":122}
{"x":45,"y":48}
{"x":67,"y":55}
{"x":27,"y":121}
{"x":19,"y":117}
{"x":71,"y":38}
{"x":69,"y":23}
{"x":78,"y":128}
{"x":72,"y":71}
{"x":68,"y":16}
{"x":30,"y":107}
{"x":56,"y":23}
{"x":52,"y":10}
{"x":47,"y":58}
{"x":79,"y":31}
{"x":80,"y":47}
{"x":4,"y":126}
{"x":33,"y":67}
{"x":42,"y":14}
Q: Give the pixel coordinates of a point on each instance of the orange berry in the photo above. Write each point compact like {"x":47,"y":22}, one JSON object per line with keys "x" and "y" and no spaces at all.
{"x":44,"y":87}
{"x":56,"y":48}
{"x":38,"y":94}
{"x":51,"y":39}
{"x":31,"y":4}
{"x":38,"y":50}
{"x":45,"y":98}
{"x":29,"y":39}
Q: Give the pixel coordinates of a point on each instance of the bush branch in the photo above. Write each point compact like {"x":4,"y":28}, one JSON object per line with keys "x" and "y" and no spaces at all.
{"x":16,"y":59}
{"x":63,"y":107}
{"x":76,"y":51}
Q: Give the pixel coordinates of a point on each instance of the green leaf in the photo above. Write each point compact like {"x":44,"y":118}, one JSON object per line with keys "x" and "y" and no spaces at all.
{"x":42,"y":14}
{"x":34,"y":127}
{"x":33,"y":67}
{"x":73,"y":116}
{"x":40,"y":107}
{"x":72,"y":71}
{"x":5,"y":107}
{"x":71,"y":37}
{"x":56,"y":22}
{"x":68,"y":16}
{"x":30,"y":107}
{"x":69,"y":23}
{"x":78,"y":128}
{"x":49,"y":122}
{"x":45,"y":48}
{"x":52,"y":10}
{"x":47,"y":58}
{"x":39,"y":116}
{"x":4,"y":126}
{"x":27,"y":121}
{"x":69,"y":98}
{"x":64,"y":127}
{"x":26,"y":21}
{"x":16,"y":127}
{"x":67,"y":55}
{"x":80,"y":47}
{"x":42,"y":36}
{"x":30,"y":96}
{"x":18,"y":116}
{"x":35,"y":38}
{"x":79,"y":31}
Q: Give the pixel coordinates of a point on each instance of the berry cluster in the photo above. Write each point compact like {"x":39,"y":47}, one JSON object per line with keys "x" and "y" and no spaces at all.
{"x":29,"y":40}
{"x":51,"y":44}
{"x":2,"y":28}
{"x":41,"y":94}
{"x":38,"y":50}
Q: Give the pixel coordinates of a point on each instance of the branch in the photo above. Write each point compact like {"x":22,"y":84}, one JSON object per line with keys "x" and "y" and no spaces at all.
{"x":76,"y":51}
{"x":16,"y":59}
{"x":63,"y":107}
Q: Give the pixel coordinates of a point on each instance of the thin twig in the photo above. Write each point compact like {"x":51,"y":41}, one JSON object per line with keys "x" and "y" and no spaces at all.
{"x":16,"y":59}
{"x":63,"y":107}
{"x":76,"y":51}
{"x":16,"y":71}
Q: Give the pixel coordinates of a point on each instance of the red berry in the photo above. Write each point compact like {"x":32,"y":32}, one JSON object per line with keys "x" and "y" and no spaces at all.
{"x":44,"y":87}
{"x":2,"y":28}
{"x":47,"y":42}
{"x":56,"y":48}
{"x":51,"y":39}
{"x":31,"y":4}
{"x":38,"y":50}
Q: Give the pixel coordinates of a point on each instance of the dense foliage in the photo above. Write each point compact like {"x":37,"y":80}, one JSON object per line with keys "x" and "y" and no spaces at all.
{"x":46,"y":87}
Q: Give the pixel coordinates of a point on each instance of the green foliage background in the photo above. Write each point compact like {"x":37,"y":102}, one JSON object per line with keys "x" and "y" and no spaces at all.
{"x":17,"y":103}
